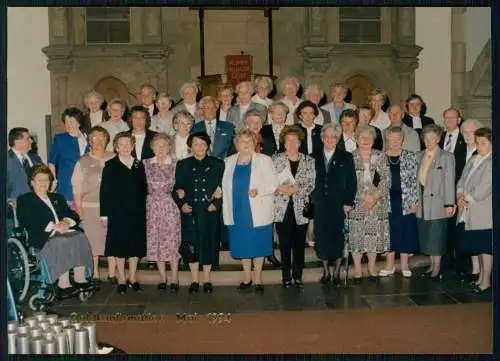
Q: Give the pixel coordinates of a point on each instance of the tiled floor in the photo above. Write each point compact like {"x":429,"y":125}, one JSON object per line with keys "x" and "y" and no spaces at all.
{"x":387,"y":292}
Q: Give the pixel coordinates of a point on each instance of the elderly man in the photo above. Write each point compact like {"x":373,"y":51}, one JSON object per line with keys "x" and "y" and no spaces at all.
{"x":236,"y":114}
{"x":115,"y":124}
{"x":221,"y":133}
{"x":338,"y":92}
{"x":314,"y":94}
{"x":188,"y":93}
{"x":147,"y":96}
{"x":411,"y":140}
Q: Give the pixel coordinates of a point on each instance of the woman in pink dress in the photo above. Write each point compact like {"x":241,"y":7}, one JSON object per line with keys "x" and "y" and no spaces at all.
{"x":162,"y":214}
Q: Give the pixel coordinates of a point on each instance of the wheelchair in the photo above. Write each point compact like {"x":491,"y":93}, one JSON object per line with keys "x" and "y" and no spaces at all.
{"x":25,"y":270}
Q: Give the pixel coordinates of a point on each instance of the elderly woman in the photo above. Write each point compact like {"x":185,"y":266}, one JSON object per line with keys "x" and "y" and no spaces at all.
{"x":86,"y":183}
{"x":296,"y":175}
{"x":338,"y":93}
{"x":307,"y":113}
{"x":248,"y":186}
{"x":163,"y":219}
{"x":140,"y":122}
{"x":365,"y":117}
{"x":162,"y":122}
{"x":333,"y":199}
{"x":225,"y":99}
{"x":53,"y":230}
{"x":314,"y":94}
{"x":289,"y":87}
{"x":236,"y":114}
{"x":94,"y":102}
{"x":197,"y":194}
{"x":253,"y":122}
{"x":115,"y":124}
{"x":369,"y":220}
{"x":380,"y":119}
{"x":67,"y":149}
{"x":182,"y":122}
{"x":474,"y":194}
{"x":436,"y":177}
{"x":123,"y":209}
{"x":349,"y":120}
{"x":271,"y":132}
{"x":263,"y":87}
{"x":403,"y":166}
{"x":188,"y":93}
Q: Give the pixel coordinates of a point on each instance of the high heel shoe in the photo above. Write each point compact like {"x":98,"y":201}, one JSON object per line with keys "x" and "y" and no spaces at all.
{"x":387,"y":272}
{"x":437,"y":277}
{"x":325,"y":278}
{"x":244,"y":286}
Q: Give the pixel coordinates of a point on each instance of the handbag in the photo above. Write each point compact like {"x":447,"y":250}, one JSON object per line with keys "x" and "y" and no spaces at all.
{"x":308,"y":210}
{"x":188,"y":252}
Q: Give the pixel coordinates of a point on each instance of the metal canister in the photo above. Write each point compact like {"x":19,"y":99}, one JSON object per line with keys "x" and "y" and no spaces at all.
{"x":64,"y":321}
{"x":52,"y":319}
{"x":57,"y":327}
{"x":70,"y":333}
{"x":76,"y":324}
{"x":36,"y":345}
{"x":23,"y":328}
{"x":49,"y":335}
{"x":81,"y":342}
{"x":11,"y":339}
{"x":23,"y":344}
{"x":44,"y":325}
{"x":62,"y":343}
{"x":31,"y":321}
{"x":12,"y":326}
{"x":36,"y":332}
{"x":40,"y":316}
{"x":50,"y":347}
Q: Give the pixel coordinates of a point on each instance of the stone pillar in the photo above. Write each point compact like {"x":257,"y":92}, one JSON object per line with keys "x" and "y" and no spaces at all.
{"x":151,"y":25}
{"x":406,"y":25}
{"x":405,"y":68}
{"x":317,"y":30}
{"x":59,"y":71}
{"x":58,"y":26}
{"x":315,"y":53}
{"x":458,"y":55}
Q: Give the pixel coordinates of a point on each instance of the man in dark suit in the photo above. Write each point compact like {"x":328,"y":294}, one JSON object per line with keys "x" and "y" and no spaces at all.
{"x":147,"y":97}
{"x":415,"y":115}
{"x":19,"y":161}
{"x":312,"y":145}
{"x":221,"y":133}
{"x":453,"y":141}
{"x":271,"y":132}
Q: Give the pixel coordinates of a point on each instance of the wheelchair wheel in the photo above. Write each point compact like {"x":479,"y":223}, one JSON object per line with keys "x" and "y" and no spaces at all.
{"x":18,"y":268}
{"x":36,"y":303}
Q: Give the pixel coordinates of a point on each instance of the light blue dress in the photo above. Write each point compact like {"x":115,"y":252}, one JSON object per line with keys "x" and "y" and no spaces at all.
{"x":246,"y":241}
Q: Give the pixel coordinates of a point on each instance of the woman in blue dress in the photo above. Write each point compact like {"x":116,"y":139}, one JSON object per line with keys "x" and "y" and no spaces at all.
{"x":67,"y":149}
{"x":248,"y":187}
{"x":403,"y":196}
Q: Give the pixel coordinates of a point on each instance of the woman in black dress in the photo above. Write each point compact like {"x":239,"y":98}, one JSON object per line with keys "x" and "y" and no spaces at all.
{"x":198,"y":193}
{"x":123,"y":209}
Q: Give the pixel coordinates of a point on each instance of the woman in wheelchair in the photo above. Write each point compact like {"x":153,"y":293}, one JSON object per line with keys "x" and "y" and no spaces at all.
{"x":53,"y":231}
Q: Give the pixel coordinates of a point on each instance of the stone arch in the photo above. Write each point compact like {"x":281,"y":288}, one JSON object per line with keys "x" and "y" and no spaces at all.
{"x":360,"y":87}
{"x":111,"y":87}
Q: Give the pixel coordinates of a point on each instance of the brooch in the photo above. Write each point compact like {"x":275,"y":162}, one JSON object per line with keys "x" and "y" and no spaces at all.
{"x":207,"y":169}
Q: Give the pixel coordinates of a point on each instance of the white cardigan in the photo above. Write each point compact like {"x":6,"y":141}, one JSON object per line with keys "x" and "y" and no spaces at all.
{"x":263,"y":178}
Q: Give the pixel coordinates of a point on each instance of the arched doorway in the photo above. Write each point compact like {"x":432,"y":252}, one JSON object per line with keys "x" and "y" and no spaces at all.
{"x":360,"y":87}
{"x":112,"y":88}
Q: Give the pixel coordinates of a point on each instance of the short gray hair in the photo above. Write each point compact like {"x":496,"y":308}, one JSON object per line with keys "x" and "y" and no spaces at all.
{"x":187,"y":85}
{"x":161,"y":136}
{"x":182,"y":114}
{"x":475,"y":122}
{"x":242,"y":84}
{"x":335,"y":127}
{"x":209,"y":98}
{"x":93,"y":94}
{"x":254,"y":113}
{"x":314,"y":86}
{"x":432,"y":128}
{"x":365,"y":129}
{"x":279,"y":104}
{"x":116,"y":101}
{"x":267,"y":80}
{"x":286,"y":80}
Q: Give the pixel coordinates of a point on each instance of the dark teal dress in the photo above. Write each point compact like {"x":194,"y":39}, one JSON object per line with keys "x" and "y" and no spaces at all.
{"x":245,"y":240}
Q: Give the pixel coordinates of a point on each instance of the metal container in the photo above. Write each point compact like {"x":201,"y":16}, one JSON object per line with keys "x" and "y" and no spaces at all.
{"x":52,"y":319}
{"x":12,"y":326}
{"x":70,"y":333}
{"x":76,"y":324}
{"x":57,"y":327}
{"x":49,"y":347}
{"x":40,"y":316}
{"x":36,"y":332}
{"x":91,"y":329}
{"x":62,"y":343}
{"x":64,"y":321}
{"x":36,"y":345}
{"x":49,"y":335}
{"x":44,"y":325}
{"x":81,"y":342}
{"x":31,"y":321}
{"x":12,"y":339}
{"x":23,"y":344}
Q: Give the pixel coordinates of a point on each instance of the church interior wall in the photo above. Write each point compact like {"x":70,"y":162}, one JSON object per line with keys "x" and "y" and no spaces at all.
{"x":477,"y":32}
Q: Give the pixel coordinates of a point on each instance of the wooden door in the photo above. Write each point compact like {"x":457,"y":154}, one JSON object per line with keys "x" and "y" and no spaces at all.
{"x":113,"y":88}
{"x":360,"y":87}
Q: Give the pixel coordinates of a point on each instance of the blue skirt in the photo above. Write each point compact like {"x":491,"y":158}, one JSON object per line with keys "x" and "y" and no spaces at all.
{"x":477,"y":242}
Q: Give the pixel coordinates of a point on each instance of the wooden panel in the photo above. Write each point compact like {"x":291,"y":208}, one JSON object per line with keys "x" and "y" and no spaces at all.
{"x":112,"y":88}
{"x":360,"y":87}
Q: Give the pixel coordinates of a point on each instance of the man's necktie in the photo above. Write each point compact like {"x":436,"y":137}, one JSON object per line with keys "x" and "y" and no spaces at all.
{"x":26,"y":165}
{"x":447,"y":146}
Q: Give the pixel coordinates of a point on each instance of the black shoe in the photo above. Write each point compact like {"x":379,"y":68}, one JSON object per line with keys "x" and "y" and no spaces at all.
{"x":481,"y":292}
{"x":113,"y":280}
{"x":437,"y":277}
{"x":244,"y":286}
{"x":286,"y":284}
{"x":208,"y":287}
{"x":162,"y":286}
{"x":299,"y":283}
{"x":194,"y":287}
{"x":174,"y":287}
{"x":426,"y":274}
{"x":325,"y":278}
{"x":259,"y":288}
{"x":121,"y":289}
{"x":81,"y":285}
{"x":64,"y":292}
{"x":135,"y":286}
{"x":274,"y":261}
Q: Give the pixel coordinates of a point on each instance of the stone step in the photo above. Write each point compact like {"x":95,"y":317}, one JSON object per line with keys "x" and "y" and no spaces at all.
{"x":270,"y":276}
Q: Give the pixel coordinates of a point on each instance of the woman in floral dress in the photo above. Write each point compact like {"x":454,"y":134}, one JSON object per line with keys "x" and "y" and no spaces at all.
{"x":162,"y":214}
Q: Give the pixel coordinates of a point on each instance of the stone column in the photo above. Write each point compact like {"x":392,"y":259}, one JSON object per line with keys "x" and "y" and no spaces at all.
{"x":405,"y":68}
{"x":315,"y":53}
{"x":59,"y":71}
{"x":406,"y":25}
{"x":458,"y":55}
{"x":151,"y":25}
{"x":58,"y":26}
{"x":317,"y":30}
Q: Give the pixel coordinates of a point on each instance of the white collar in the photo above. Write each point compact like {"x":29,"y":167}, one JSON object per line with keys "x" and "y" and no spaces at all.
{"x":168,"y":160}
{"x":19,"y":155}
{"x":454,"y":133}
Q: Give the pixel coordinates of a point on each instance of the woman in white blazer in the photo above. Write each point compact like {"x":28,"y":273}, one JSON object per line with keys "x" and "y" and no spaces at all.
{"x":248,"y":188}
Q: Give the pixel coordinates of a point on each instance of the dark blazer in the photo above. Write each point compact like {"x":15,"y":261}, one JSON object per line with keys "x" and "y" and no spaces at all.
{"x":34,"y":215}
{"x":460,"y":154}
{"x":269,"y":146}
{"x":17,"y":179}
{"x":155,"y":109}
{"x":316,"y":139}
{"x":147,"y":152}
{"x":408,"y":120}
{"x":223,"y":145}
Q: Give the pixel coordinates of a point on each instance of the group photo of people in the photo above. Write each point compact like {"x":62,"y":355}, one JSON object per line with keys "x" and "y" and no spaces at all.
{"x":175,"y":183}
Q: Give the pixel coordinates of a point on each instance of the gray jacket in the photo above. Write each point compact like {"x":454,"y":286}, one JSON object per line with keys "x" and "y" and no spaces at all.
{"x":477,"y":185}
{"x":233,"y":114}
{"x":439,"y":189}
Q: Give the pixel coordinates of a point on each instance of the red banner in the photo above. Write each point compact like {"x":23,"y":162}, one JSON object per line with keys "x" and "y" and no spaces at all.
{"x":238,"y":68}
